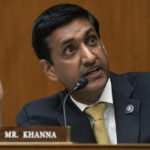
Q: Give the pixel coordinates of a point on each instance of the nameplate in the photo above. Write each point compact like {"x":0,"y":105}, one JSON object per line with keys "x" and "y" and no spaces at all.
{"x":35,"y":134}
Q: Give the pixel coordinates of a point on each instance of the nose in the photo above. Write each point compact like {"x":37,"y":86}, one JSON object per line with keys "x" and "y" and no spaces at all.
{"x":87,"y":55}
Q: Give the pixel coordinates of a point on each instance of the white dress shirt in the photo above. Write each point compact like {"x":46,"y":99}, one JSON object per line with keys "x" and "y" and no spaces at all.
{"x":109,"y":116}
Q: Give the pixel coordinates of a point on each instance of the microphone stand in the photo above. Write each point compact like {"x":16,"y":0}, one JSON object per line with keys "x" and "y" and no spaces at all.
{"x":79,"y":85}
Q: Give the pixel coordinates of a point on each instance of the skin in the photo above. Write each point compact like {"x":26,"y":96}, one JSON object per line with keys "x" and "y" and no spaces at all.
{"x":1,"y":91}
{"x":77,"y":51}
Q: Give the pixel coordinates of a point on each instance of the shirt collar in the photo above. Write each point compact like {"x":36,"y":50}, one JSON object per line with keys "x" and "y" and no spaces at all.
{"x":105,"y":97}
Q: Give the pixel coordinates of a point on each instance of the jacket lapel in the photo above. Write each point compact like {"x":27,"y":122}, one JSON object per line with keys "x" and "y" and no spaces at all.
{"x":127,"y":124}
{"x":80,"y":126}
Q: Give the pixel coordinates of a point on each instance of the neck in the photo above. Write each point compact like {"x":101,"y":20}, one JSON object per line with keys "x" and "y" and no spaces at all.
{"x":87,"y":97}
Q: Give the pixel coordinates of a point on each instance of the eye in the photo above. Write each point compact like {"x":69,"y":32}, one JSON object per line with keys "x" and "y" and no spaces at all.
{"x":92,"y":40}
{"x":69,"y":51}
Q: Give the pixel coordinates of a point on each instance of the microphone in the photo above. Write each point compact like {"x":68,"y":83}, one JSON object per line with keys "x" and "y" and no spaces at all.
{"x":79,"y":85}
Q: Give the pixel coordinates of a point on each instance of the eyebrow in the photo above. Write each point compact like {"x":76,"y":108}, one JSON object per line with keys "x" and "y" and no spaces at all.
{"x":72,"y":39}
{"x":67,"y":41}
{"x":88,"y":31}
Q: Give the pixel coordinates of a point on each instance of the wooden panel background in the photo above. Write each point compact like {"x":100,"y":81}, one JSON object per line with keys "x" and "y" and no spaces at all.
{"x":125,"y":31}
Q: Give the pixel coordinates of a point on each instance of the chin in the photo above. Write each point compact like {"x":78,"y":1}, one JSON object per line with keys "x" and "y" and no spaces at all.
{"x":97,"y":84}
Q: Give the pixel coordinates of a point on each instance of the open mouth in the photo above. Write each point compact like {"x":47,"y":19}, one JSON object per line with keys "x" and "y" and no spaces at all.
{"x":93,"y":71}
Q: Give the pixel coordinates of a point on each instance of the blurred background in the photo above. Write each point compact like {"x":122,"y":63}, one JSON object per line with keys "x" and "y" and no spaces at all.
{"x":125,"y":31}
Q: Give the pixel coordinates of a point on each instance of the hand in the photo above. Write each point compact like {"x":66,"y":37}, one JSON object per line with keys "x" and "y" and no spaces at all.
{"x":1,"y":91}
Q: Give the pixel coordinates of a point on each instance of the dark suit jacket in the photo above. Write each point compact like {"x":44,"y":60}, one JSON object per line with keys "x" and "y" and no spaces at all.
{"x":129,"y":88}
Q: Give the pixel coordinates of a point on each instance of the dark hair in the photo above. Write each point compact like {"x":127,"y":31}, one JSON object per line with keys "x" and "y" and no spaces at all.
{"x":53,"y":18}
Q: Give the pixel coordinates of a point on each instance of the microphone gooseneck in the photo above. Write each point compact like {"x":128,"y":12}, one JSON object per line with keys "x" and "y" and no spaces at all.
{"x":79,"y":85}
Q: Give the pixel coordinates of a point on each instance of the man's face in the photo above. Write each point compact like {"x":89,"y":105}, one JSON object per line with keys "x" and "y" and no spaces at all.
{"x":78,"y":52}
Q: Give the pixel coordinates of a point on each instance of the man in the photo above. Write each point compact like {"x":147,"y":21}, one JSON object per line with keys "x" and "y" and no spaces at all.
{"x":66,"y":39}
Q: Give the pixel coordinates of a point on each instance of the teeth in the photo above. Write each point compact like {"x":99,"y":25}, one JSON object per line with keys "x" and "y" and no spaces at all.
{"x":92,"y":72}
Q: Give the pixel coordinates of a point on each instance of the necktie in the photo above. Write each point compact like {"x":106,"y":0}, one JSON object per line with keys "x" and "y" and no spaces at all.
{"x":100,"y":131}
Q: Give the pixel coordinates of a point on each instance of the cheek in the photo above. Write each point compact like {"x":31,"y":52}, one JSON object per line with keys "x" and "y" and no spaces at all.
{"x":101,"y":54}
{"x":69,"y":70}
{"x":102,"y":57}
{"x":70,"y":64}
{"x":68,"y":75}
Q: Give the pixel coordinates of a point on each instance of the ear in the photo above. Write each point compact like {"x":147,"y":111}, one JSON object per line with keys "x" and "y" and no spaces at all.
{"x":48,"y":69}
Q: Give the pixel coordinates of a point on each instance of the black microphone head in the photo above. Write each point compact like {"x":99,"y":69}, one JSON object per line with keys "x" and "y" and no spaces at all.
{"x":81,"y":83}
